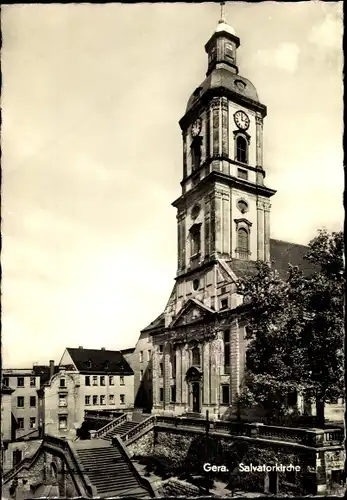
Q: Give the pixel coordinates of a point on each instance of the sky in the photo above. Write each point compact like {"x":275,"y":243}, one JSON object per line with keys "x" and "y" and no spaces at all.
{"x":92,"y":154}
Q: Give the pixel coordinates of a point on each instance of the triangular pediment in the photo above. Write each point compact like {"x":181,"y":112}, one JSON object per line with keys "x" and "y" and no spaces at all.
{"x":192,"y":311}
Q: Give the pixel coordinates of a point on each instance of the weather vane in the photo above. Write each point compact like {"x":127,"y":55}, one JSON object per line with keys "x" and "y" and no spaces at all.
{"x":222,"y":12}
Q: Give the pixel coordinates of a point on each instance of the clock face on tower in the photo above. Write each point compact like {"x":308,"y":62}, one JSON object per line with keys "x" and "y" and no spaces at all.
{"x":196,"y":127}
{"x":241,"y":120}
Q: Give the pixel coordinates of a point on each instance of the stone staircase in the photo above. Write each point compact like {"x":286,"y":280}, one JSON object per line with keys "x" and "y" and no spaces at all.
{"x":120,"y":430}
{"x":109,"y":470}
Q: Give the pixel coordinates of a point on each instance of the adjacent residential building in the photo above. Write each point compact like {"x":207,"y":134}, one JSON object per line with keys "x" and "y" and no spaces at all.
{"x":88,"y":379}
{"x":24,"y":398}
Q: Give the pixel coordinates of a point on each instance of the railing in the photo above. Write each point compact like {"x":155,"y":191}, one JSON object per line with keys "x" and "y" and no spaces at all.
{"x":111,"y":425}
{"x":148,"y":423}
{"x":281,"y":433}
{"x":78,"y":476}
{"x":118,"y":443}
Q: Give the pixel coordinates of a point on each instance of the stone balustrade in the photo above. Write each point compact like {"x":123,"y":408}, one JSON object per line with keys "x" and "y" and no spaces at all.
{"x":145,"y":424}
{"x":111,"y":425}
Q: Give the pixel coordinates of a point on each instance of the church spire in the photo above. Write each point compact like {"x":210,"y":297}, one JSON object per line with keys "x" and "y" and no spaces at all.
{"x":222,"y":13}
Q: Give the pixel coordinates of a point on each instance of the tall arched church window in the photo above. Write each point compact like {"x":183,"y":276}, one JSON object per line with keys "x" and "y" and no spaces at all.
{"x":196,"y":152}
{"x":196,"y":356}
{"x":195,"y":239}
{"x":243,"y":243}
{"x":241,"y":149}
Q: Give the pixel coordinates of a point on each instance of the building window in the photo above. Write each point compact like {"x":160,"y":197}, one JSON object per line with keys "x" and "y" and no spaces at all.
{"x":32,"y":423}
{"x":102,"y":399}
{"x":87,"y":380}
{"x":161,"y":348}
{"x":32,"y":401}
{"x":20,"y":422}
{"x":161,"y":394}
{"x":161,"y":369}
{"x":20,"y":402}
{"x":224,"y":304}
{"x":242,"y":174}
{"x":111,"y":380}
{"x":121,"y":380}
{"x":196,"y":356}
{"x":149,"y":354}
{"x":62,"y":382}
{"x":95,"y":400}
{"x":243,"y":243}
{"x":102,"y":380}
{"x":16,"y":457}
{"x":173,"y":364}
{"x":225,"y":394}
{"x":226,"y":349}
{"x":5,"y":381}
{"x":196,"y":284}
{"x":62,"y":400}
{"x":20,"y":382}
{"x":122,"y":399}
{"x":195,"y":239}
{"x":141,"y":356}
{"x":241,"y":149}
{"x":141,"y":374}
{"x":111,"y":399}
{"x":32,"y":382}
{"x":87,"y":400}
{"x":95,"y":380}
{"x":62,"y":422}
{"x":196,"y":152}
{"x":173,"y":394}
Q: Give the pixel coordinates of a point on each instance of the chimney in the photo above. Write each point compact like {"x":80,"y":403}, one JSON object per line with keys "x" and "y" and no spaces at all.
{"x":103,"y":349}
{"x":51,"y":368}
{"x":80,"y":347}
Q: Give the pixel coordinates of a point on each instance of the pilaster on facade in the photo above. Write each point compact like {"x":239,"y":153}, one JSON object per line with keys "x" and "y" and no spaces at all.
{"x":267,"y":207}
{"x":185,"y":366}
{"x":260,"y":230}
{"x":178,"y":354}
{"x":155,"y":375}
{"x":206,"y":372}
{"x":259,"y":139}
{"x":235,"y":360}
{"x":215,"y":350}
{"x":167,"y":374}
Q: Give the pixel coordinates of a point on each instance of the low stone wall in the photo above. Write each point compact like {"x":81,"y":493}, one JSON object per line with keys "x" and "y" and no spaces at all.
{"x":27,"y":447}
{"x":143,"y":446}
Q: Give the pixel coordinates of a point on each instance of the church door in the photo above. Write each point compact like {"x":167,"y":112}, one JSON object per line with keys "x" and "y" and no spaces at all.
{"x":196,"y":397}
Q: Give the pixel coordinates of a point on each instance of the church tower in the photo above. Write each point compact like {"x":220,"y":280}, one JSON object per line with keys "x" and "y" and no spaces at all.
{"x":224,"y":210}
{"x":223,"y":220}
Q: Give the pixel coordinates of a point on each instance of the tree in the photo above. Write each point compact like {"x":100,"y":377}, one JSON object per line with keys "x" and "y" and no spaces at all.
{"x":324,"y":302}
{"x":291,"y":323}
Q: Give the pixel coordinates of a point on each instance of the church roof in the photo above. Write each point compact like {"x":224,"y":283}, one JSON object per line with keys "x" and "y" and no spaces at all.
{"x":157,"y":323}
{"x":223,"y":78}
{"x":99,"y":361}
{"x":282,"y":253}
{"x":222,"y":26}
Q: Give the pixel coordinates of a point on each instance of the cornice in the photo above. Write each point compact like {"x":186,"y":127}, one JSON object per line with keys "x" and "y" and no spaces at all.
{"x":217,"y":92}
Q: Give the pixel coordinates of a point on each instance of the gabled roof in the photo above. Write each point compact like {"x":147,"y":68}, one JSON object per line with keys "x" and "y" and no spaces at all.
{"x":192,"y":311}
{"x":157,"y":323}
{"x":99,"y":361}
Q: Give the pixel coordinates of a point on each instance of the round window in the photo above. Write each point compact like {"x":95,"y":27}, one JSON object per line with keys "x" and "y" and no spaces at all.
{"x":242,"y":206}
{"x":196,"y":284}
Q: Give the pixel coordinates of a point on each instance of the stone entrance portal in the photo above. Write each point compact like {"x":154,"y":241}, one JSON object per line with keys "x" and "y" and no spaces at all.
{"x":194,"y":380}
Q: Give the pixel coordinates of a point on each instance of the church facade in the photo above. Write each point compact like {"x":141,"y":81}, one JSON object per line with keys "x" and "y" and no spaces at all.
{"x":223,"y":224}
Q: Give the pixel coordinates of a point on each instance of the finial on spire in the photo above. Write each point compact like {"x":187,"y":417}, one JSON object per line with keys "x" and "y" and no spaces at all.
{"x":222,"y":12}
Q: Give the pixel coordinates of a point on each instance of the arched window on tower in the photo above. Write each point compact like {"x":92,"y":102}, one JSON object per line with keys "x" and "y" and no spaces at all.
{"x":196,"y":152}
{"x":243,"y":243}
{"x":195,"y":239}
{"x":241,"y":149}
{"x":196,"y":356}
